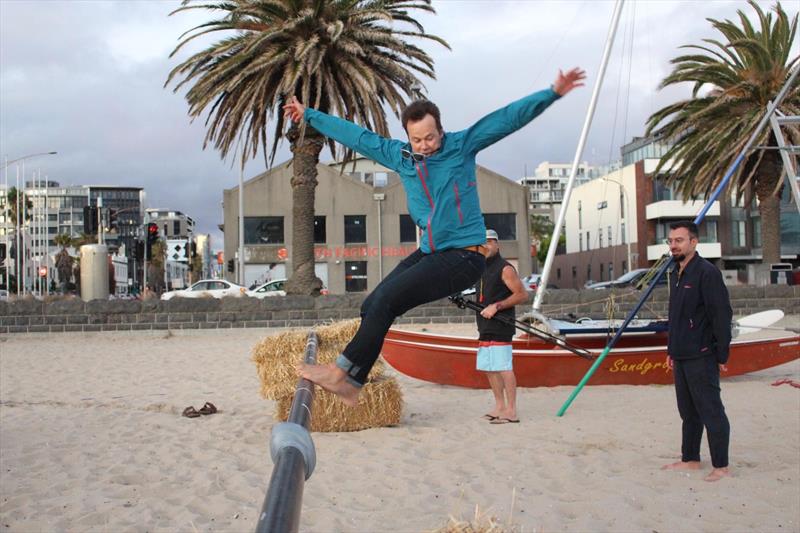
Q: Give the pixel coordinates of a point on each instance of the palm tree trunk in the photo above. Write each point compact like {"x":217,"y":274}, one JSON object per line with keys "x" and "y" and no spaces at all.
{"x":767,"y":179}
{"x":304,"y":182}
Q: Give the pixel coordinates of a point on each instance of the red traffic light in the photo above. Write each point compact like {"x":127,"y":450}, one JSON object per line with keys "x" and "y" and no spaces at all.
{"x":152,"y":230}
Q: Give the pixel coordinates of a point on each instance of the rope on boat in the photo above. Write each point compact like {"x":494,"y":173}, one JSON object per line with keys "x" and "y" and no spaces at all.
{"x":293,"y":453}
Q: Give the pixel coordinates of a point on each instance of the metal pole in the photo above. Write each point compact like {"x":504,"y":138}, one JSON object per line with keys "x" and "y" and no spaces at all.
{"x":17,"y":255}
{"x":241,"y":279}
{"x":551,"y":251}
{"x":294,"y":456}
{"x":700,"y":216}
{"x":6,"y":227}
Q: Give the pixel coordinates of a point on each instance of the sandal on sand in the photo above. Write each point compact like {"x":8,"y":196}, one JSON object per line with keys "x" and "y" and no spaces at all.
{"x":190,"y":412}
{"x":504,"y":421}
{"x":489,"y":417}
{"x":208,"y":409}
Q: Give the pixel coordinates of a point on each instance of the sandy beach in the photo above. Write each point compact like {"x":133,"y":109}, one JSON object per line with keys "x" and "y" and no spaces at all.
{"x":92,"y":439}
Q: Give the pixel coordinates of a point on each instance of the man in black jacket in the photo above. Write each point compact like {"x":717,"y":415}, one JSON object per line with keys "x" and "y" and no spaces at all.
{"x":699,"y":338}
{"x":499,"y":290}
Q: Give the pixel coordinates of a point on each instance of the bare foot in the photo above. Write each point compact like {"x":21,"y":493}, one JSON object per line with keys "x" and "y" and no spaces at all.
{"x":717,"y":474}
{"x":331,"y":378}
{"x":682,"y":465}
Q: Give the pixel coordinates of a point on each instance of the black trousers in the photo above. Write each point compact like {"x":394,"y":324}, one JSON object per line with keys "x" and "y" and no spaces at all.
{"x":418,"y":279}
{"x":699,"y":404}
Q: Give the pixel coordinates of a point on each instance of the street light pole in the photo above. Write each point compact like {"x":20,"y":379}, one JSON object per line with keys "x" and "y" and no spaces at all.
{"x":626,"y":217}
{"x":19,"y":257}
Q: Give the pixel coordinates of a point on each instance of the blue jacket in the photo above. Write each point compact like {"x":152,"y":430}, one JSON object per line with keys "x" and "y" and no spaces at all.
{"x":700,"y":312}
{"x":441,"y":191}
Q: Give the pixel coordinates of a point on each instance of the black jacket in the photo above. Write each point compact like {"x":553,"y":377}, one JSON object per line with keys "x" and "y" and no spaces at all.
{"x":700,"y":312}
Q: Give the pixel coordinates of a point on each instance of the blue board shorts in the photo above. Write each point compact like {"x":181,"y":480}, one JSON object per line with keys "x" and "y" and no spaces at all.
{"x":494,"y":356}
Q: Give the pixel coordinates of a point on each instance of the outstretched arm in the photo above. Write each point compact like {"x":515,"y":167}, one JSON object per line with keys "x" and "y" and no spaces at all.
{"x":384,"y":151}
{"x":516,"y":115}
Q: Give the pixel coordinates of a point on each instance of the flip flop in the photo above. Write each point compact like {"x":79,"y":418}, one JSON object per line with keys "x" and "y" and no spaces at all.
{"x":208,"y":409}
{"x":489,"y":417}
{"x":190,"y":412}
{"x":504,"y":421}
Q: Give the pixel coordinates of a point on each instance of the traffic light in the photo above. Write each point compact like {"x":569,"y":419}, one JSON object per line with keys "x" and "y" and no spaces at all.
{"x":152,"y":238}
{"x":231,"y":267}
{"x":112,"y":220}
{"x":90,"y":219}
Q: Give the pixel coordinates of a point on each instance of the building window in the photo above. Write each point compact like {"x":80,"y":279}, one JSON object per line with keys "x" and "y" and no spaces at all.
{"x":609,"y":237}
{"x":602,"y":271}
{"x":739,"y":236}
{"x":588,"y":244}
{"x":558,"y":273}
{"x":263,"y":230}
{"x":505,"y":224}
{"x":580,"y":242}
{"x":580,"y":216}
{"x":355,"y":276}
{"x":611,"y":271}
{"x":574,"y":273}
{"x":621,"y":204}
{"x":600,"y":239}
{"x":355,"y":228}
{"x":624,"y":267}
{"x":622,"y":233}
{"x":320,"y":234}
{"x":588,"y":273}
{"x":408,"y":230}
{"x":707,"y":232}
{"x":176,"y":227}
{"x":756,"y":232}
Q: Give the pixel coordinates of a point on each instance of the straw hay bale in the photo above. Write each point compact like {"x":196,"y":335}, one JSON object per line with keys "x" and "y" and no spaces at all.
{"x":276,"y":356}
{"x":380,"y":404}
{"x":482,"y":522}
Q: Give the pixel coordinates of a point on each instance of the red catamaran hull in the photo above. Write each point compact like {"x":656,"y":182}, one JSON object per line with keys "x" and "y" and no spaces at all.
{"x":636,"y":360}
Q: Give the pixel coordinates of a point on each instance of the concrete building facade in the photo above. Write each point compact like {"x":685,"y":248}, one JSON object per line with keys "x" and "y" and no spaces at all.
{"x":362,"y":227}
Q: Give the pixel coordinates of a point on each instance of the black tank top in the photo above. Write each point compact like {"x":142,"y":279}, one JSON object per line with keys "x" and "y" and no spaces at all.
{"x":492,"y":289}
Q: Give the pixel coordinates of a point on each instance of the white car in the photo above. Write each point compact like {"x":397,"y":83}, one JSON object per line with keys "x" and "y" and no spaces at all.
{"x":216,"y":288}
{"x":270,"y":288}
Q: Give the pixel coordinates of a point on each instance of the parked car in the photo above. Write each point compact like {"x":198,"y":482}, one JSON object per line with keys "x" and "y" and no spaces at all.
{"x":531,"y":283}
{"x":270,"y":288}
{"x":215,"y":288}
{"x":629,"y":279}
{"x":274,"y":288}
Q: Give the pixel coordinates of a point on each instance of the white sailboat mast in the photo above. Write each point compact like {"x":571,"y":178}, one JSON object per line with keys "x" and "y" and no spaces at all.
{"x":551,"y":251}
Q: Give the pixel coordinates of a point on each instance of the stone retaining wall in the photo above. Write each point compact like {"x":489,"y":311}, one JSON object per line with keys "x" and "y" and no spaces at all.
{"x":60,"y":315}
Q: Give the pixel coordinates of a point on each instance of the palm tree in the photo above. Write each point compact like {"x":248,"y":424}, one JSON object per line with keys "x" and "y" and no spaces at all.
{"x":64,"y":261}
{"x":342,"y":57}
{"x":11,"y":198}
{"x":744,"y":73}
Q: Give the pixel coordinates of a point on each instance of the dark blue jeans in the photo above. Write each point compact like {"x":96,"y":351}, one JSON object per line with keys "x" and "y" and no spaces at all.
{"x":699,"y":404}
{"x":418,"y":279}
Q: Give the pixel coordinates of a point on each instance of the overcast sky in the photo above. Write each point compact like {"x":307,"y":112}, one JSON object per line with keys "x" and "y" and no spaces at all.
{"x":85,"y":78}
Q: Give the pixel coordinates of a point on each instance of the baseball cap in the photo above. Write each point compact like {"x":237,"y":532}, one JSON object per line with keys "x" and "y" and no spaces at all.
{"x":491,"y":234}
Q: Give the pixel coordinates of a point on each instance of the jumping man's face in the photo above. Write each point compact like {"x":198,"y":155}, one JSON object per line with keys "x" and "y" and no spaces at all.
{"x":424,"y":136}
{"x":681,"y":244}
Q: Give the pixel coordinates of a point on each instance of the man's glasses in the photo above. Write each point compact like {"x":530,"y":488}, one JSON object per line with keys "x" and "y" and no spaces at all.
{"x":408,"y":154}
{"x":678,"y":241}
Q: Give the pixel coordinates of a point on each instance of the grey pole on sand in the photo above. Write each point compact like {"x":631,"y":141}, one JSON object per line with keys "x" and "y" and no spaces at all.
{"x":294,"y":456}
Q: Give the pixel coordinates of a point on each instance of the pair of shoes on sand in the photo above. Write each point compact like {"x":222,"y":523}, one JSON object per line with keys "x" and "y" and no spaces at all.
{"x":499,"y":420}
{"x":208,"y":409}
